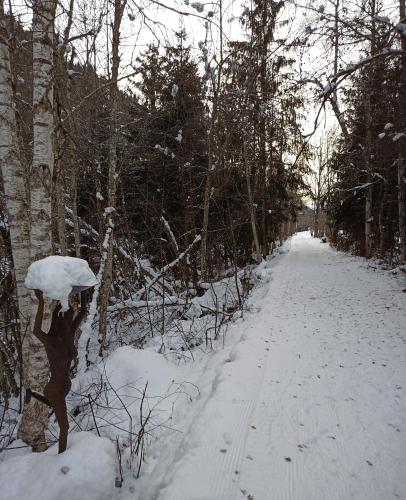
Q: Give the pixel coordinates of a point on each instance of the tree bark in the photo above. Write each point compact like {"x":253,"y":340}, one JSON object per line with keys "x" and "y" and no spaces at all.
{"x":368,"y":144}
{"x":119,"y":6}
{"x":262,"y":126}
{"x":35,"y":414}
{"x":258,"y":255}
{"x":13,"y":174}
{"x":334,"y":95}
{"x":211,"y":163}
{"x":65,"y":164}
{"x":402,"y":141}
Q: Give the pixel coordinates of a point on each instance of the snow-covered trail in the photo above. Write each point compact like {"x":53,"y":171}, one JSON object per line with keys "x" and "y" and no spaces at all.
{"x":309,"y":402}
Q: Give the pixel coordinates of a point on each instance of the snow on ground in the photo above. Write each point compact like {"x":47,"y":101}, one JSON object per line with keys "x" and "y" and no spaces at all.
{"x":85,"y":470}
{"x":306,"y":401}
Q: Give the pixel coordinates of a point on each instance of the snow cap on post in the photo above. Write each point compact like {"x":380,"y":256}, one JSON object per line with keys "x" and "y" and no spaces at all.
{"x":58,"y":276}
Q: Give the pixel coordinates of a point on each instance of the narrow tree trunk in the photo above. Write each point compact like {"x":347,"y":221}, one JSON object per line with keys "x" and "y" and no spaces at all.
{"x":383,"y":232}
{"x":258,"y":255}
{"x":368,"y":222}
{"x":211,"y":165}
{"x":316,"y":221}
{"x":368,"y":145}
{"x":402,"y":206}
{"x":119,"y":7}
{"x":206,"y":209}
{"x":58,"y":194}
{"x":402,"y":141}
{"x":74,"y":201}
{"x":263,"y":128}
{"x":60,"y":210}
{"x":334,"y":94}
{"x":67,"y":167}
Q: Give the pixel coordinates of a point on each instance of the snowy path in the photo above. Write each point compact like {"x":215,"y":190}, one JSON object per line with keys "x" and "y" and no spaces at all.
{"x":310,"y":401}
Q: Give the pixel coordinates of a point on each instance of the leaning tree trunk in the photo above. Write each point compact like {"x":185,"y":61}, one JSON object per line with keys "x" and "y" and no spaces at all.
{"x":119,"y":6}
{"x":13,"y":174}
{"x":35,"y":414}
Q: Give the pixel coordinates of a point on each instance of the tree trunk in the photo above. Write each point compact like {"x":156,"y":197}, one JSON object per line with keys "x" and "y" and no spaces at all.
{"x":13,"y":174}
{"x":258,"y":255}
{"x":206,"y":209}
{"x":383,"y":232}
{"x":368,"y":145}
{"x":334,"y":95}
{"x":402,"y":206}
{"x":316,"y":222}
{"x":368,"y":222}
{"x":402,"y":141}
{"x":211,"y":164}
{"x":119,"y":7}
{"x":35,"y":414}
{"x":262,"y":127}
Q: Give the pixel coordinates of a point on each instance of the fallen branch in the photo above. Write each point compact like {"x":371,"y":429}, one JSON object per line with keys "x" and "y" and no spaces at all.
{"x":173,"y":263}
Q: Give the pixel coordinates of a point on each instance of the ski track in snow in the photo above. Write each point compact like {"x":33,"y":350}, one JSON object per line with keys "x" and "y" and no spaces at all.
{"x":308,"y":402}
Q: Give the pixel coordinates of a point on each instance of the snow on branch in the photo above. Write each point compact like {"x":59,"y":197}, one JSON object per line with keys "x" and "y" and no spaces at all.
{"x":357,"y":188}
{"x":149,"y":273}
{"x":85,"y":336}
{"x":174,"y":262}
{"x":399,"y":27}
{"x":351,"y":68}
{"x":138,"y":304}
{"x":170,"y":233}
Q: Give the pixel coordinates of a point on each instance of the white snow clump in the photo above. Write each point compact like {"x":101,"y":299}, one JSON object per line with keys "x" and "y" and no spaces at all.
{"x":57,"y":275}
{"x":174,"y":91}
{"x":197,"y":6}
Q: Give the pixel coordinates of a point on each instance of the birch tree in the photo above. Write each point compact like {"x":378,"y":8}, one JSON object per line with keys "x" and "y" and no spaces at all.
{"x":35,"y":414}
{"x":13,"y":174}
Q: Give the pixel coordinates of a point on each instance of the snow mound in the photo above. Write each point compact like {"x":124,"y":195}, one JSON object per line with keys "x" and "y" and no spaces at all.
{"x":221,"y":295}
{"x":129,"y":369}
{"x":57,"y":275}
{"x":85,"y":470}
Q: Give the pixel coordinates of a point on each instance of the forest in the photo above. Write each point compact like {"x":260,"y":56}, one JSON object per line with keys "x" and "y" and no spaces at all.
{"x":176,"y":147}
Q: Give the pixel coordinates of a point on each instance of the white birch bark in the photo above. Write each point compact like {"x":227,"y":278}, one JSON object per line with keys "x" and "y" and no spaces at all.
{"x":13,"y":175}
{"x":35,"y":414}
{"x":43,"y":127}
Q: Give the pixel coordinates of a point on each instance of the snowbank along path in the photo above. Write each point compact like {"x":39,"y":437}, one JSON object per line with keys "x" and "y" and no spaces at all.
{"x":309,"y":401}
